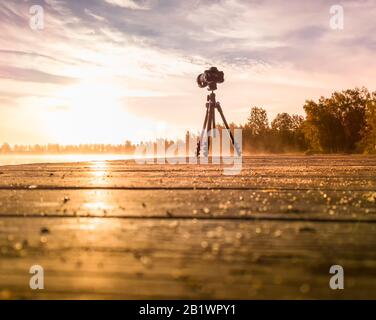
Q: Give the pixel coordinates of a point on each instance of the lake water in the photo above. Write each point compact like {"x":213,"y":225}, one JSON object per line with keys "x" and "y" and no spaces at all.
{"x":28,"y":159}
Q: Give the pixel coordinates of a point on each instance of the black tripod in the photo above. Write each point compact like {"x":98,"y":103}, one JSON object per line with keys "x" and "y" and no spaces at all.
{"x":209,"y":125}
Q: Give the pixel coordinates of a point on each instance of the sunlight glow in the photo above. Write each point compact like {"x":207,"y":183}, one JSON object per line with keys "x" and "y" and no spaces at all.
{"x":92,"y":112}
{"x":99,"y":169}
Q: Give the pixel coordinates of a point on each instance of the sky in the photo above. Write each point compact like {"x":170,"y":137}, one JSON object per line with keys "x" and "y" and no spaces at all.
{"x":106,"y":71}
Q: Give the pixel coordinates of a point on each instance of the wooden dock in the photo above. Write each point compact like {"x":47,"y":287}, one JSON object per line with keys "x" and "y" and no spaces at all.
{"x":122,"y":230}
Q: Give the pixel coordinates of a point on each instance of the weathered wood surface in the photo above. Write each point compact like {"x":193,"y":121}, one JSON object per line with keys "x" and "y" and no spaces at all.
{"x":124,"y":230}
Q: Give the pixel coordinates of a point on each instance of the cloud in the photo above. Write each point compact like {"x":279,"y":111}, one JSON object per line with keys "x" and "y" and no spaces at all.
{"x":33,"y":75}
{"x":95,"y":16}
{"x":32,"y":55}
{"x":274,"y":55}
{"x":129,"y":4}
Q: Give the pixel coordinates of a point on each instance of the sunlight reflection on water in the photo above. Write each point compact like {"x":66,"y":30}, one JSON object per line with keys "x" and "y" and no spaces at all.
{"x":29,"y":159}
{"x":99,"y":169}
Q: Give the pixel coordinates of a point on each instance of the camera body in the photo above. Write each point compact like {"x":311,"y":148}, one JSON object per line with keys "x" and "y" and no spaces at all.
{"x":210,"y":78}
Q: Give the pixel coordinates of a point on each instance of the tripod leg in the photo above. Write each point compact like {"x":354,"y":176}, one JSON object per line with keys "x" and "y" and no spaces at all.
{"x":210,"y":122}
{"x":213,"y":131}
{"x":228,"y":128}
{"x":202,"y":133}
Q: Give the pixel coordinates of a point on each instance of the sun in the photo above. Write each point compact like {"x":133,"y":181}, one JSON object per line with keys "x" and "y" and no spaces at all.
{"x":91,"y":112}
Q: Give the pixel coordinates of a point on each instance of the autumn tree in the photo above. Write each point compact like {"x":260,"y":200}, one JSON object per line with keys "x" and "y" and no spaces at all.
{"x":5,"y":148}
{"x":256,"y":130}
{"x":335,"y":124}
{"x":369,"y":139}
{"x":258,"y":121}
{"x":287,"y":133}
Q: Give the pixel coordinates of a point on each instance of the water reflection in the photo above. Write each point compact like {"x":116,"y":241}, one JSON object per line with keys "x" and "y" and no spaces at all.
{"x":98,"y":204}
{"x":15,"y":159}
{"x":99,"y":169}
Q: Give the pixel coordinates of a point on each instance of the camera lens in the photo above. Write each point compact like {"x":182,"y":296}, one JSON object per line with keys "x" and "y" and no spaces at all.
{"x":201,"y":80}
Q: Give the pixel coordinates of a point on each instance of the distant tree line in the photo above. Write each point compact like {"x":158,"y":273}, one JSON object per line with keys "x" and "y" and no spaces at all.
{"x":343,"y":123}
{"x":127,"y":148}
{"x":283,"y":134}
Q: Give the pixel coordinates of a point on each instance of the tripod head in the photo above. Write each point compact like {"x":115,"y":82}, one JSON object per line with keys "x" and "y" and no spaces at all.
{"x":212,"y":86}
{"x":211,"y":100}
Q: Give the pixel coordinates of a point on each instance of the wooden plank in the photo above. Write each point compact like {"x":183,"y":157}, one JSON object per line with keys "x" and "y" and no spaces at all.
{"x":337,"y":173}
{"x":112,"y":258}
{"x":119,"y":229}
{"x":265,"y":204}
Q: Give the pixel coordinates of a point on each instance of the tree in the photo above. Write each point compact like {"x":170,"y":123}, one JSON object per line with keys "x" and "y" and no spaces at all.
{"x":287,"y":134}
{"x":282,"y":122}
{"x":258,"y":121}
{"x":335,"y":124}
{"x":256,"y":130}
{"x":5,"y":148}
{"x":369,"y":140}
{"x":297,"y":121}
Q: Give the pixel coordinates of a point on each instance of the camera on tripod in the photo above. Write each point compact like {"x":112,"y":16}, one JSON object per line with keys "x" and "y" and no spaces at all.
{"x":209,"y":78}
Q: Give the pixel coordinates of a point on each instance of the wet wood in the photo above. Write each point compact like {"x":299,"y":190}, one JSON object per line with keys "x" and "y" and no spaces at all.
{"x":124,"y":230}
